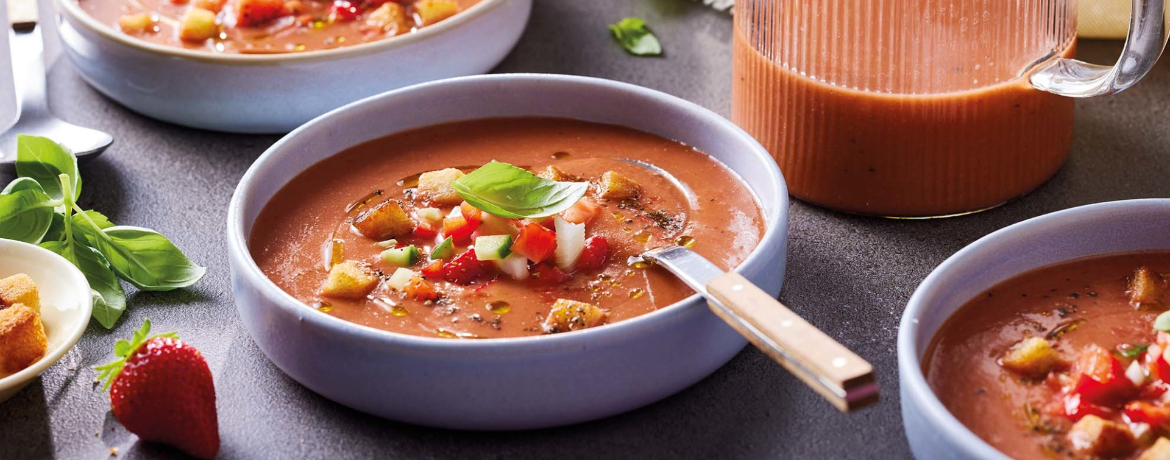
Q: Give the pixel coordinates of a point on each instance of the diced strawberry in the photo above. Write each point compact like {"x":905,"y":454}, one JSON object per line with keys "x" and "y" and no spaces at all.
{"x":582,"y":212}
{"x":471,"y":213}
{"x":465,"y":268}
{"x":1076,"y":407}
{"x":433,"y":269}
{"x":594,"y":255}
{"x":250,"y":13}
{"x":1100,"y":377}
{"x":535,"y":242}
{"x":420,"y":289}
{"x":548,"y":274}
{"x":345,"y":11}
{"x":459,"y":228}
{"x":425,"y":230}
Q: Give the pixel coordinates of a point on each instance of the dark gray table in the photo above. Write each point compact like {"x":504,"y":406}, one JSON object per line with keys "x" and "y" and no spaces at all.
{"x":848,"y":275}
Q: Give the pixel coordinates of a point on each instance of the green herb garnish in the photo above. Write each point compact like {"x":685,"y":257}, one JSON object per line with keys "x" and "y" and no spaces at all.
{"x":1128,"y":350}
{"x":510,"y":192}
{"x":635,"y":37}
{"x":1162,"y":322}
{"x":40,"y":207}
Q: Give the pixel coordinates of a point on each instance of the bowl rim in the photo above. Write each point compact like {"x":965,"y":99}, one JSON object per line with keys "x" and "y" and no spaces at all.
{"x":52,"y":356}
{"x":72,"y":9}
{"x":911,"y":376}
{"x":243,"y":265}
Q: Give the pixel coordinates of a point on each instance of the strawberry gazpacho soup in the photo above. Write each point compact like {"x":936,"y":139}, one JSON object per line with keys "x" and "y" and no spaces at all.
{"x":1067,"y":361}
{"x":501,"y":227}
{"x":269,"y":26}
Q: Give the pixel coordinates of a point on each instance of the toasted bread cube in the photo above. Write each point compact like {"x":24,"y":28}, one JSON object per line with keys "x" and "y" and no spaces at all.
{"x":1146,"y":287}
{"x":386,"y":220}
{"x":435,"y":186}
{"x":1032,"y":357}
{"x":1095,"y":436}
{"x":432,"y":11}
{"x":210,"y":5}
{"x":571,"y":315}
{"x":615,"y":186}
{"x":390,"y":18}
{"x":19,"y":288}
{"x":555,"y":173}
{"x":22,"y":338}
{"x":1159,"y":451}
{"x":137,"y":24}
{"x":349,"y":280}
{"x":197,"y":25}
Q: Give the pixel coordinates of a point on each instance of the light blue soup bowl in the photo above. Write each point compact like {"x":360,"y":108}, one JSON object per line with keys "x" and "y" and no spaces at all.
{"x":531,"y":382}
{"x":1119,"y":226}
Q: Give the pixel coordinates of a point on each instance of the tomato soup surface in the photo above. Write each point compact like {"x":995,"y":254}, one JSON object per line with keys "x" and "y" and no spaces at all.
{"x":269,"y":26}
{"x":306,"y":225}
{"x":1063,"y":362}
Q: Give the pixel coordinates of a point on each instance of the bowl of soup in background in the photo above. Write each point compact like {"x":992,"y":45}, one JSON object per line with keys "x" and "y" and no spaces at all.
{"x":274,"y":93}
{"x":1119,"y":227}
{"x":536,"y":381}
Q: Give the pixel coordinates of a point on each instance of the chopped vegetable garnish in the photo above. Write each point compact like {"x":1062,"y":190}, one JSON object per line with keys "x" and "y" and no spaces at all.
{"x":633,"y":35}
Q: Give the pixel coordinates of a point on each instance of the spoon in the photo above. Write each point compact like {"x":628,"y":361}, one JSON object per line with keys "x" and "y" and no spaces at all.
{"x":34,"y":115}
{"x":840,"y":376}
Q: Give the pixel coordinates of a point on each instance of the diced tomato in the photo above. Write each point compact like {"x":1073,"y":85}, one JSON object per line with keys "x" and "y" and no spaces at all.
{"x":420,"y":289}
{"x":594,"y":255}
{"x":459,"y":228}
{"x":548,"y":274}
{"x":1100,"y":377}
{"x":582,"y":212}
{"x":1154,"y":390}
{"x":1144,"y":412}
{"x":471,"y":213}
{"x":1162,"y":364}
{"x":1076,"y":407}
{"x":250,"y":13}
{"x":345,"y":11}
{"x":535,"y":242}
{"x":425,"y":230}
{"x":465,"y":268}
{"x":433,"y":269}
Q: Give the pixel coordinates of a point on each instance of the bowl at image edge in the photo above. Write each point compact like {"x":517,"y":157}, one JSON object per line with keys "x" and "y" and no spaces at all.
{"x":66,"y":305}
{"x":535,"y":382}
{"x":275,"y":93}
{"x":1097,"y":229}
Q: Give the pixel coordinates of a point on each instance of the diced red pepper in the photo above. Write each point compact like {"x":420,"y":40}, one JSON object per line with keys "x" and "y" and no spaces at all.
{"x":471,"y":213}
{"x":433,"y":269}
{"x":420,"y":289}
{"x":466,"y":268}
{"x":1144,"y":412}
{"x":548,"y":274}
{"x":582,"y":212}
{"x":1076,"y":407}
{"x":250,"y":13}
{"x":1100,"y":377}
{"x":594,"y":255}
{"x":459,"y":228}
{"x":535,"y":242}
{"x":345,"y":11}
{"x":1161,"y":364}
{"x":425,"y":230}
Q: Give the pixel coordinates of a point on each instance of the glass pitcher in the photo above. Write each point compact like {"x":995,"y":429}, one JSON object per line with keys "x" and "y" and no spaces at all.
{"x":921,"y":108}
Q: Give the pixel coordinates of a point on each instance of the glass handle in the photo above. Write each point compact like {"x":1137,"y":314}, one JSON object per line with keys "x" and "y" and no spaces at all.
{"x":1146,"y":40}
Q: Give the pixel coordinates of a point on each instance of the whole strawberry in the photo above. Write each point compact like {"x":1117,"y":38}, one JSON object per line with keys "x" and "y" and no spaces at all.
{"x":161,"y":390}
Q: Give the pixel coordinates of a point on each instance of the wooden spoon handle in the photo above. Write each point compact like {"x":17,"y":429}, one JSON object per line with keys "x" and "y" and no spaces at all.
{"x":839,"y":375}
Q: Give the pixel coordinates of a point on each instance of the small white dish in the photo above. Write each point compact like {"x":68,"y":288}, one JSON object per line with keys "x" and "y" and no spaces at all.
{"x":274,"y":93}
{"x":66,"y":304}
{"x":1104,"y":228}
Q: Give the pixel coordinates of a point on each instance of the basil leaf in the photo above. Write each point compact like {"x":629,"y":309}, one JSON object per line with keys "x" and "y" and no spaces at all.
{"x":43,"y":160}
{"x":515,"y":193}
{"x":109,"y":300}
{"x":98,"y":218}
{"x":635,"y":37}
{"x":56,"y":230}
{"x":25,"y":212}
{"x":1162,"y":322}
{"x":144,"y":257}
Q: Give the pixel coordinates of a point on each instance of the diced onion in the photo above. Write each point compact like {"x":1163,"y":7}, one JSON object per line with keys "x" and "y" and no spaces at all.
{"x":400,"y":278}
{"x":1136,"y":374}
{"x":515,"y":265}
{"x":570,"y":243}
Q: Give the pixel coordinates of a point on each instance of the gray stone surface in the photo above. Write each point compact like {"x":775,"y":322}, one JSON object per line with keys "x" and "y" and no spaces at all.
{"x":848,"y":275}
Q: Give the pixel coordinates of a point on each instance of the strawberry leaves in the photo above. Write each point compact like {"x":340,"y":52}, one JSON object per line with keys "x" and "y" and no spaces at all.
{"x":123,"y":349}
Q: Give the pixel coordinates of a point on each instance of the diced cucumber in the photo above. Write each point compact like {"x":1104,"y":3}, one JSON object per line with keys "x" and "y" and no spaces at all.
{"x":493,"y":247}
{"x":401,"y":278}
{"x":444,"y":250}
{"x":515,"y":265}
{"x":402,"y":257}
{"x":570,"y":243}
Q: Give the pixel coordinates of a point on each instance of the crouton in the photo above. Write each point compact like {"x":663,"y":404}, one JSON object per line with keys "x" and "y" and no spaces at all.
{"x":22,"y":338}
{"x":571,"y":315}
{"x":390,"y":18}
{"x":435,"y":186}
{"x":137,"y":24}
{"x":555,"y":173}
{"x":614,"y":186}
{"x":349,"y":280}
{"x":197,"y":25}
{"x":1095,"y":436}
{"x":386,"y":220}
{"x":432,"y":11}
{"x":1031,"y":357}
{"x":1146,"y":288}
{"x":19,"y":288}
{"x":1159,"y":451}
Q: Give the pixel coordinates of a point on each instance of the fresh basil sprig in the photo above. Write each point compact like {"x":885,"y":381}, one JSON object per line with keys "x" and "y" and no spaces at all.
{"x":515,"y":193}
{"x":40,"y":207}
{"x":635,"y":37}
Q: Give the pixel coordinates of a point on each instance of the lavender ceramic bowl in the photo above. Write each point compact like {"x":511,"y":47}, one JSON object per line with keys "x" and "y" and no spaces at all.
{"x":533,"y":381}
{"x":1119,"y":226}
